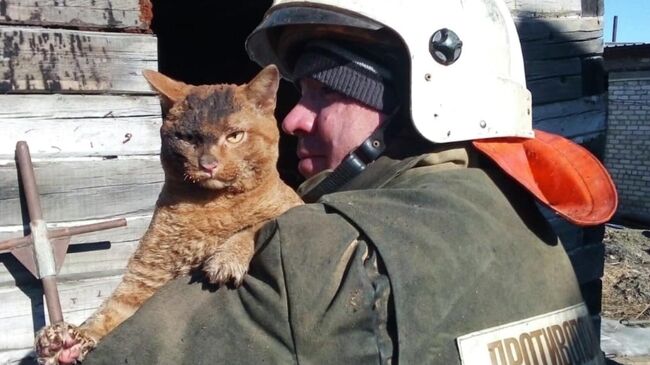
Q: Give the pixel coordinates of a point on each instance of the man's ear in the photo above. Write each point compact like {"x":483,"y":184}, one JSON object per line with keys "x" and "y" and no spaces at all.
{"x":263,"y":89}
{"x":170,"y":90}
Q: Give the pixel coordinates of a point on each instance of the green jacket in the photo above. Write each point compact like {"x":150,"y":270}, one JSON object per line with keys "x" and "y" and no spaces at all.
{"x":397,"y":267}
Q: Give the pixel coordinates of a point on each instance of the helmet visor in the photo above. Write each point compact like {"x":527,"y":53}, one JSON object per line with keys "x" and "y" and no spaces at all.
{"x":285,"y":29}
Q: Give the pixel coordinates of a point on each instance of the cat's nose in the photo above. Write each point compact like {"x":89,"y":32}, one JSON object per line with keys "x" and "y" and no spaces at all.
{"x":208,"y":163}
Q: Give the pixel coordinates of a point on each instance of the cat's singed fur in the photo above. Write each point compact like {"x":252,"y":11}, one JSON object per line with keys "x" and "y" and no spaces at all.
{"x":219,"y":153}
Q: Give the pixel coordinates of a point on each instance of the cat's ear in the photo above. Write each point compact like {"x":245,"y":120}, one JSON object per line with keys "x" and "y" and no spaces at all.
{"x":170,"y":89}
{"x":262,"y":90}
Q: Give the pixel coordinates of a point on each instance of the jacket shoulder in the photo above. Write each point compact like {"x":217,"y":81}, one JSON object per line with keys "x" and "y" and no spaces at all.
{"x":305,"y":226}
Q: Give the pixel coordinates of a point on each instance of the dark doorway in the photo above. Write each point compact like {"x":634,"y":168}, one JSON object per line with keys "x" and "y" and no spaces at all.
{"x":202,"y":42}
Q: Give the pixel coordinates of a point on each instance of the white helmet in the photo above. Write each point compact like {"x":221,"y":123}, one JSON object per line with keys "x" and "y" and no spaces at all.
{"x":463,"y":57}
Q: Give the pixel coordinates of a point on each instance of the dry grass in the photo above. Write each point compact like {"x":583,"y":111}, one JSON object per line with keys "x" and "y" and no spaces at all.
{"x":626,"y":282}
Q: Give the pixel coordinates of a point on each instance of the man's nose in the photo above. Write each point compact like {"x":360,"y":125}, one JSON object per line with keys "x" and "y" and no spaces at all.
{"x":300,"y":120}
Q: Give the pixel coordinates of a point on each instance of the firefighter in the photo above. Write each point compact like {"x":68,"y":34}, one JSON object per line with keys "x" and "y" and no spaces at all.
{"x":422,"y":243}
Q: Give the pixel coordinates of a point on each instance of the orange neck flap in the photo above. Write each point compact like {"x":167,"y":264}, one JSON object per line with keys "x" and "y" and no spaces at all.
{"x":560,"y":173}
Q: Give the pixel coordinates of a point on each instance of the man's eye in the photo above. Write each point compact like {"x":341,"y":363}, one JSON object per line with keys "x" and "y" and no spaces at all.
{"x":331,"y":94}
{"x":329,"y":91}
{"x":235,"y":137}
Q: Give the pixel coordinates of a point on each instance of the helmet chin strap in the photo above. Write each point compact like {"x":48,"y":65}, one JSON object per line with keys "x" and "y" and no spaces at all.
{"x":352,"y":165}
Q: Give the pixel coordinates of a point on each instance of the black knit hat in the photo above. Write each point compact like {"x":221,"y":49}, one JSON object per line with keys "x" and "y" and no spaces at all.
{"x":349,"y":73}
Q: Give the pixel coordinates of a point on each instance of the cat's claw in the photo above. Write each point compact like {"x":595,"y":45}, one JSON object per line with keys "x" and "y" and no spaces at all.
{"x":62,"y":343}
{"x":225,"y":268}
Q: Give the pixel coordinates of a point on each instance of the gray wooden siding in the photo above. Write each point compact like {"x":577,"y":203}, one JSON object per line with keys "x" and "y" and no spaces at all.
{"x":92,"y":124}
{"x":100,"y":14}
{"x":58,"y":125}
{"x":39,"y":59}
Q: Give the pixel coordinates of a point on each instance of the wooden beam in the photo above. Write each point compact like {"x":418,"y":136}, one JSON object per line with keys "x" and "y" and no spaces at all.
{"x":58,"y":60}
{"x":129,"y":15}
{"x":593,"y":7}
{"x":555,"y":89}
{"x":570,"y":28}
{"x":544,"y":50}
{"x":80,"y":125}
{"x":552,"y":68}
{"x":572,"y":118}
{"x":56,"y":176}
{"x":560,"y":110}
{"x":85,"y":189}
{"x":544,"y":8}
{"x":576,"y":125}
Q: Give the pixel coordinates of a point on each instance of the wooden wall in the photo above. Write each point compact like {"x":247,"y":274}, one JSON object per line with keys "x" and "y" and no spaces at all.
{"x":71,"y":86}
{"x":562,"y":42}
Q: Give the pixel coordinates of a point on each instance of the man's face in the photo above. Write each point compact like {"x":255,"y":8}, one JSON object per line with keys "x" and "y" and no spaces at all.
{"x":328,"y":125}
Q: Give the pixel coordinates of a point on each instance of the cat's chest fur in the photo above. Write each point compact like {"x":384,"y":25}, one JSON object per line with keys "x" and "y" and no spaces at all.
{"x":192,"y":229}
{"x":211,"y":217}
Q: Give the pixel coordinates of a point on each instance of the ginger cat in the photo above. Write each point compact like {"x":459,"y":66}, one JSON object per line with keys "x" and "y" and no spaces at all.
{"x":219,"y":153}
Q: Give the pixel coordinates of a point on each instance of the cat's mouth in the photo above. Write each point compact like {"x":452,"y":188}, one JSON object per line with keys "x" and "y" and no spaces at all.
{"x":215,"y":184}
{"x":207,"y":180}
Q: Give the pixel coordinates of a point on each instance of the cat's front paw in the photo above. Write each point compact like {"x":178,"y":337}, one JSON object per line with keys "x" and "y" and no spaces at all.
{"x":62,"y":343}
{"x":224,"y":267}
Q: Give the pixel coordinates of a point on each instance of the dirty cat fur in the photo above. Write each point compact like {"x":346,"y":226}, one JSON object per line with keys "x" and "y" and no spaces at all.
{"x":219,"y":153}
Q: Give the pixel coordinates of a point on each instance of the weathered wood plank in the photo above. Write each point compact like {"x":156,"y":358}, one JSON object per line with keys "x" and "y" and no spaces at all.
{"x":560,"y":110}
{"x":593,"y":7}
{"x":18,"y":357}
{"x":572,"y":118}
{"x":559,"y":38}
{"x":562,"y":49}
{"x":58,"y":60}
{"x":99,"y":14}
{"x":57,"y":176}
{"x":87,"y":189}
{"x":22,"y":311}
{"x":576,"y":125}
{"x":568,"y":28}
{"x":542,"y":8}
{"x":80,"y":125}
{"x":552,"y":68}
{"x":555,"y":89}
{"x":89,"y":253}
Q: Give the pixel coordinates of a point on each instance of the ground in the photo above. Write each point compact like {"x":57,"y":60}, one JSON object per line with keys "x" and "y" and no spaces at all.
{"x":626,"y":283}
{"x":626,"y":288}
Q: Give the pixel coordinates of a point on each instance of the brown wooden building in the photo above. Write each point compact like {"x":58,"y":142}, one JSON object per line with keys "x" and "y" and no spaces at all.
{"x":70,"y":85}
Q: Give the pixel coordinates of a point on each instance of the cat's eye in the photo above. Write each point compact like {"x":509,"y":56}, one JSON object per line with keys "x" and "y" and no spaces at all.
{"x":184,"y":137}
{"x":235,"y":137}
